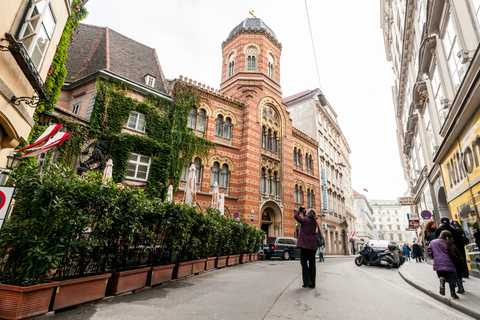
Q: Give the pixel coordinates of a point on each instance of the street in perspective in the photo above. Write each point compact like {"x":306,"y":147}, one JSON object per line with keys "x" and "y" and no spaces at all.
{"x":267,"y":159}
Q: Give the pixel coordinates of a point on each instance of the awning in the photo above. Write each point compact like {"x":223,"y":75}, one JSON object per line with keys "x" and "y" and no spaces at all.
{"x":58,"y":138}
{"x":44,"y":137}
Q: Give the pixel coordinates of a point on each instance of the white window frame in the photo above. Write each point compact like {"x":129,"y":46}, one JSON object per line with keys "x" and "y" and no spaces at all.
{"x":137,"y":162}
{"x":150,"y":81}
{"x":35,"y":34}
{"x":139,"y":115}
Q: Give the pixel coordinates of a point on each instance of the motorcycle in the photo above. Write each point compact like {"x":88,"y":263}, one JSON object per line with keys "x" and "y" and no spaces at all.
{"x":368,"y":256}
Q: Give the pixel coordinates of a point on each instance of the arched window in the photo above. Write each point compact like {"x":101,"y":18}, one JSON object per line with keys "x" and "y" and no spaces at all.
{"x":275,"y":144}
{"x":262,"y":181}
{"x":192,"y":118}
{"x":295,"y":155}
{"x":307,"y":162}
{"x":224,"y":176}
{"x":299,"y":158}
{"x":269,"y":140}
{"x":264,"y":138}
{"x":202,"y":116}
{"x":219,"y":126}
{"x":227,"y":129}
{"x":269,"y":182}
{"x":300,"y":195}
{"x":198,"y":169}
{"x":251,"y":54}
{"x":296,"y":194}
{"x":308,"y":198}
{"x":215,"y":173}
{"x":270,"y":65}
{"x":311,"y":162}
{"x":231,"y":65}
{"x":274,"y":184}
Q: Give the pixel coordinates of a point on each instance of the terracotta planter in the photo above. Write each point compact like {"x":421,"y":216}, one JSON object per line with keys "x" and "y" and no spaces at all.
{"x":198,"y":266}
{"x":160,"y":274}
{"x":210,"y":263}
{"x":125,"y":281}
{"x":230,"y":261}
{"x":77,"y":291}
{"x":182,"y":269}
{"x":244,"y":258}
{"x":221,"y":262}
{"x":23,"y":302}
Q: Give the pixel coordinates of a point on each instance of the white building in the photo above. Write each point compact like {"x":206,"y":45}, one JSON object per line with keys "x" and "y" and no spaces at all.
{"x":389,"y":220}
{"x":363,"y":223}
{"x":312,"y":113}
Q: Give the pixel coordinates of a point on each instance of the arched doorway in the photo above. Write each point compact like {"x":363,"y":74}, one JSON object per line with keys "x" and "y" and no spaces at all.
{"x":271,"y":216}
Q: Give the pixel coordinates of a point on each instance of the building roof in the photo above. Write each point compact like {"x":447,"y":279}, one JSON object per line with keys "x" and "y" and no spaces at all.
{"x":355,"y":193}
{"x":96,"y":48}
{"x":252,"y":23}
{"x":296,"y":96}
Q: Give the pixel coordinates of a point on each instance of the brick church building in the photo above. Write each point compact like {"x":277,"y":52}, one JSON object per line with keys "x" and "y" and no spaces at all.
{"x":265,"y":167}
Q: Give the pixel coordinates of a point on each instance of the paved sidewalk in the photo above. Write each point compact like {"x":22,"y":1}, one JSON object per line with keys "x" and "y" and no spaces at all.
{"x":422,"y":277}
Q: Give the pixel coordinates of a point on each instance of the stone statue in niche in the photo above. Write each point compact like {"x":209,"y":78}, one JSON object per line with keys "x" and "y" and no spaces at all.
{"x":96,"y":156}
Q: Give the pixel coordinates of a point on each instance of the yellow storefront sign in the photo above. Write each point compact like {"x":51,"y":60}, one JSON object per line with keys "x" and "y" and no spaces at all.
{"x":462,"y":163}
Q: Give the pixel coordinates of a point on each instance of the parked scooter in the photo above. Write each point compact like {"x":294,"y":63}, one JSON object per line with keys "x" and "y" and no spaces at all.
{"x":370,"y":257}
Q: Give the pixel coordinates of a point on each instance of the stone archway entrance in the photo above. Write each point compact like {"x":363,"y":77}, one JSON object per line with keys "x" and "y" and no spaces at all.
{"x":443,"y":210}
{"x":272,"y":222}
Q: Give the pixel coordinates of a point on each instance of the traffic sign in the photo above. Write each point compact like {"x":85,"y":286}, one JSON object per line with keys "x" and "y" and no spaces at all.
{"x":426,"y":214}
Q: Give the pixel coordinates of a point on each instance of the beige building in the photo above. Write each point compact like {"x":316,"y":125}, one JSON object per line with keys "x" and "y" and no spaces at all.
{"x":30,"y":32}
{"x":313,"y":114}
{"x":433,"y":47}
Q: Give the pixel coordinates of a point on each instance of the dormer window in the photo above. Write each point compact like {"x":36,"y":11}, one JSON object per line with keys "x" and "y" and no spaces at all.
{"x":149,"y":80}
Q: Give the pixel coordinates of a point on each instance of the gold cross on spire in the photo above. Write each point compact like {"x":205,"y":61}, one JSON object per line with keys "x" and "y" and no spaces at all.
{"x":253,"y":15}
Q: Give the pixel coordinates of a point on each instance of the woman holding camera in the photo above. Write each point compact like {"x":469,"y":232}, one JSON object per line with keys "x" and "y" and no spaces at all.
{"x":307,"y":242}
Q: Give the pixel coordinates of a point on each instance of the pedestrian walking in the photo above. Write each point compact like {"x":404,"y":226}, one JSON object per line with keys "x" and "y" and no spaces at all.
{"x":429,"y":231}
{"x":442,"y":250}
{"x":307,"y":242}
{"x":320,"y":253}
{"x":417,"y":252}
{"x":406,"y":252}
{"x":459,"y":244}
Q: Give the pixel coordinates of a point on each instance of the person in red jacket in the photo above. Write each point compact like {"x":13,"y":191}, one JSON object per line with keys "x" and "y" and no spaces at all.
{"x":307,"y":242}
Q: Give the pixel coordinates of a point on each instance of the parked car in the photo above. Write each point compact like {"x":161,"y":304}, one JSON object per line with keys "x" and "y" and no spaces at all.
{"x":283,"y":247}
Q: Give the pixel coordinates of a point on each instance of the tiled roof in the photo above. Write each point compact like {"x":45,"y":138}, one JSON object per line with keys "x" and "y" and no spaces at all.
{"x":295,"y":96}
{"x":96,"y":48}
{"x":355,"y":193}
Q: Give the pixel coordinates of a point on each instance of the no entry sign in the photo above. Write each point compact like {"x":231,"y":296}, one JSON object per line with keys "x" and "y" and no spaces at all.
{"x":6,"y":194}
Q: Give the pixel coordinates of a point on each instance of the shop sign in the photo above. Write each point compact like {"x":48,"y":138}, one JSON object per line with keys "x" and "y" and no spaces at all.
{"x":331,"y":227}
{"x":406,"y":201}
{"x":462,"y":163}
{"x":413,"y":224}
{"x":413,"y":216}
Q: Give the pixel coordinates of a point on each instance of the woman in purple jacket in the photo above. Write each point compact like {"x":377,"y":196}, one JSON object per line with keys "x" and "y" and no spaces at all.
{"x":307,"y":242}
{"x":442,"y":250}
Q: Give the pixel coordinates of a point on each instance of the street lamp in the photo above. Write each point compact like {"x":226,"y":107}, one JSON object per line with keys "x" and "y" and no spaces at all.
{"x":12,"y":162}
{"x":44,"y":117}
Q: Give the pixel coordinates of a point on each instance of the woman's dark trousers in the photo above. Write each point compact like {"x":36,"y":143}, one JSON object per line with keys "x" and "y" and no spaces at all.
{"x":309,"y":271}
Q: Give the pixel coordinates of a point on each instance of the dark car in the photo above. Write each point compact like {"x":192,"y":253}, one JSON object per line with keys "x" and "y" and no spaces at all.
{"x":283,"y":247}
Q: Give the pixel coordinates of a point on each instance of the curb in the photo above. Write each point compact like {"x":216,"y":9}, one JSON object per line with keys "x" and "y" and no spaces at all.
{"x":422,"y":286}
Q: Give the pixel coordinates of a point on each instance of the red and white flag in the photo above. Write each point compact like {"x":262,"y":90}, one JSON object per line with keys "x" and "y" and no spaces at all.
{"x":44,"y":137}
{"x":351,"y":234}
{"x":57,"y":139}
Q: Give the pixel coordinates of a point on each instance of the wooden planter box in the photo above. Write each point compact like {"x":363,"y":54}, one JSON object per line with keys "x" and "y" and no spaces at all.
{"x":230,"y":261}
{"x":221,"y":262}
{"x":77,"y":291}
{"x":182,"y":269}
{"x":237,"y":259}
{"x":252,"y":258}
{"x":23,"y":302}
{"x":210,"y":263}
{"x":160,"y":274}
{"x":244,"y":258}
{"x":125,"y":281}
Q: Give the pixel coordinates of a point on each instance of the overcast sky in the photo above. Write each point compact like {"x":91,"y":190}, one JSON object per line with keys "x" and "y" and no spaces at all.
{"x":354,"y":73}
